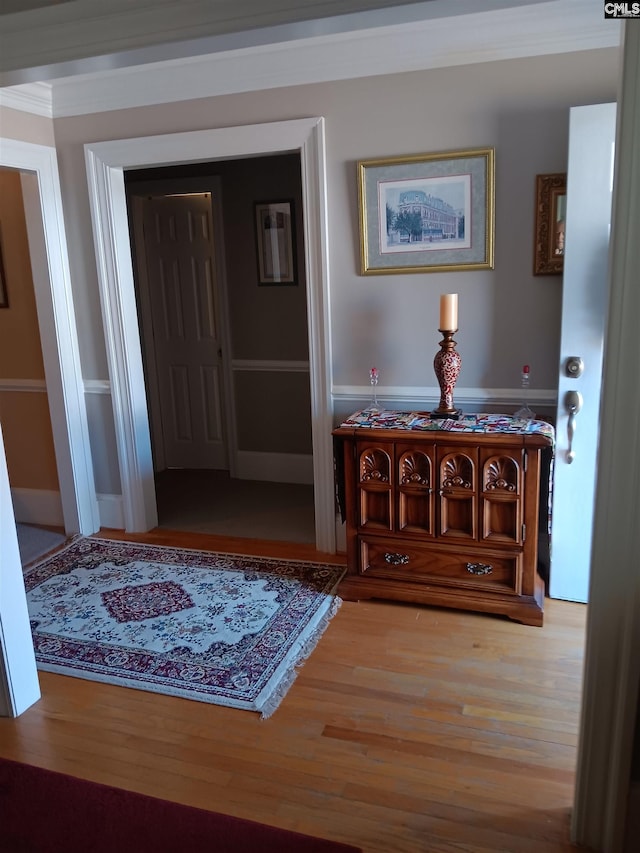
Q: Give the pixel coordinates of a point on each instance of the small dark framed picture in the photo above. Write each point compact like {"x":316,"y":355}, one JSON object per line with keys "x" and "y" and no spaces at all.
{"x":551,"y":207}
{"x":275,"y":241}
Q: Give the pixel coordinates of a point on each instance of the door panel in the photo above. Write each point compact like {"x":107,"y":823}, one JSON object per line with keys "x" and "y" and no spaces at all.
{"x":457,"y":472}
{"x":501,"y":499}
{"x":416,"y":505}
{"x":211,"y":392}
{"x":182,"y":295}
{"x":584,"y":306}
{"x":375,"y":487}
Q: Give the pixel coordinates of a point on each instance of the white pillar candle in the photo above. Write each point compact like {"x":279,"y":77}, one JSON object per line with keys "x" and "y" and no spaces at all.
{"x":448,"y":312}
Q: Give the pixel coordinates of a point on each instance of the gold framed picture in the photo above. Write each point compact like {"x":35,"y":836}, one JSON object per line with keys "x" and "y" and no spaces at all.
{"x":551,"y":208}
{"x":427,"y":212}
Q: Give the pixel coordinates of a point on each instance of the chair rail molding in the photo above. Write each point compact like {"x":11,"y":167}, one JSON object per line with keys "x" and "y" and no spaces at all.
{"x":428,"y":396}
{"x":29,"y":385}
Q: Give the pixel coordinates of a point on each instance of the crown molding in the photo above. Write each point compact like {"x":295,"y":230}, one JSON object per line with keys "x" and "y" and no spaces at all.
{"x":35,"y":98}
{"x":66,"y":39}
{"x":534,"y":29}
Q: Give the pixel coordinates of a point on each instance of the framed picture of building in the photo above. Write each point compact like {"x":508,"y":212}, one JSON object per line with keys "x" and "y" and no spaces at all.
{"x":427,"y":212}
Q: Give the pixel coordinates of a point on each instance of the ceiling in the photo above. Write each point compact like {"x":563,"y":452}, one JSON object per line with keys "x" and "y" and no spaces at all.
{"x":77,"y":52}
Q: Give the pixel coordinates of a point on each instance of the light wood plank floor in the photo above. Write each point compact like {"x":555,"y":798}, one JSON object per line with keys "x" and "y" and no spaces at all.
{"x":409,"y":729}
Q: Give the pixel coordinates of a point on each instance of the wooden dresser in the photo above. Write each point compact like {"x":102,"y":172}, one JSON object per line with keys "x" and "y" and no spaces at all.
{"x":443,"y":513}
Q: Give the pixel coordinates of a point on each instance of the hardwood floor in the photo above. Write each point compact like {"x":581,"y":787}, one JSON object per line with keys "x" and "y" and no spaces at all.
{"x":409,"y":729}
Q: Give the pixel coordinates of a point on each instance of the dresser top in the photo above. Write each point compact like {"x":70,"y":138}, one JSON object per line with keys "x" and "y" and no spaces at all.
{"x":423,"y":422}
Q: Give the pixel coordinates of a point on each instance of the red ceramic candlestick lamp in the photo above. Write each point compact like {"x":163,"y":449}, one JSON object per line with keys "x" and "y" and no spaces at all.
{"x":447,"y":361}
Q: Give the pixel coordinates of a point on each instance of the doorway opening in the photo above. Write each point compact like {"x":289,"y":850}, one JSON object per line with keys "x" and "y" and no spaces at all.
{"x":52,"y":489}
{"x":28,"y":436}
{"x":75,"y":502}
{"x":225,"y":357}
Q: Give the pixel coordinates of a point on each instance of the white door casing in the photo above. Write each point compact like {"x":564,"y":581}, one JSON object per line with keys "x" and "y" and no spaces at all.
{"x":58,"y":334}
{"x":185,"y":314}
{"x":592,"y":132}
{"x":106,"y":162}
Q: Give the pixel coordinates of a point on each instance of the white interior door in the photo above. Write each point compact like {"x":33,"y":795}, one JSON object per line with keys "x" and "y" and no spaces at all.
{"x":19,"y":686}
{"x":187,"y":350}
{"x":584,"y":304}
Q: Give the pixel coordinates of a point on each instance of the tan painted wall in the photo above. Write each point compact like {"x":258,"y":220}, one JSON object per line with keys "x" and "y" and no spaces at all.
{"x":24,"y":414}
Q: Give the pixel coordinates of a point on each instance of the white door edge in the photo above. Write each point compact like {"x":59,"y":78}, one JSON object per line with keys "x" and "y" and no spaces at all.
{"x":146,"y":325}
{"x":19,"y":686}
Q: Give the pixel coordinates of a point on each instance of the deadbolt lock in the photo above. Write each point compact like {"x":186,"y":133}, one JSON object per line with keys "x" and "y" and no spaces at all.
{"x":574,"y":366}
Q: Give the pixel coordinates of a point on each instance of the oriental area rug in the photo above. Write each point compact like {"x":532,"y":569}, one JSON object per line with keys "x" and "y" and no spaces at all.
{"x":219,"y":628}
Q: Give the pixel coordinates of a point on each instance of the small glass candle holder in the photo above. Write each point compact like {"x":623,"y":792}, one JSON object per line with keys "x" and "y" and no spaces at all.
{"x":373,"y":379}
{"x":525,"y":412}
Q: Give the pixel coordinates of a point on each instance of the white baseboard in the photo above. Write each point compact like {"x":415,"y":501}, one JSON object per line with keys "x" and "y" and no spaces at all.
{"x":275,"y":467}
{"x":37,"y":506}
{"x":110,"y":511}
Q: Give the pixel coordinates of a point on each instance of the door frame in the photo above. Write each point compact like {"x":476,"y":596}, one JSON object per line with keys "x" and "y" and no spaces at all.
{"x":58,"y":332}
{"x":610,"y":693}
{"x":106,"y":162}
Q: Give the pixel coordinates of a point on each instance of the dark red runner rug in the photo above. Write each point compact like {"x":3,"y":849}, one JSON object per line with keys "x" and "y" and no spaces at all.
{"x":46,"y":812}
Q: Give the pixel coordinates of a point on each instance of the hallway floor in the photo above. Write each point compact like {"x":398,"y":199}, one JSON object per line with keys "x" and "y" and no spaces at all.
{"x":211,"y":502}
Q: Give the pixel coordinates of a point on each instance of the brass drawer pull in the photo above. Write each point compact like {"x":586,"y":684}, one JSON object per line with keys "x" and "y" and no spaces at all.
{"x":396,"y":559}
{"x":479,"y":568}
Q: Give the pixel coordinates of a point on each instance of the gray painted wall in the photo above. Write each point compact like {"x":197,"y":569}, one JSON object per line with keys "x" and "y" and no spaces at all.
{"x":507,"y":316}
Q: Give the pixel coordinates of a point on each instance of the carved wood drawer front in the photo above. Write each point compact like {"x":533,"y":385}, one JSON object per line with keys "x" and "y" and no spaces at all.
{"x":403,"y":560}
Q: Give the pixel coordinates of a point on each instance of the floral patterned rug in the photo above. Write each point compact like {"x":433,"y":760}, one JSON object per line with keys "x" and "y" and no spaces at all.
{"x":219,"y":628}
